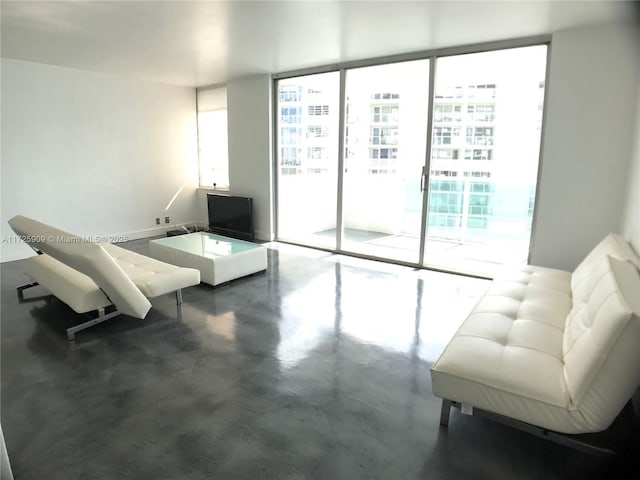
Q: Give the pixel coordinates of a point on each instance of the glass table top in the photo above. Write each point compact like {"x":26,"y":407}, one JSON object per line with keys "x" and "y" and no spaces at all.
{"x":206,"y":244}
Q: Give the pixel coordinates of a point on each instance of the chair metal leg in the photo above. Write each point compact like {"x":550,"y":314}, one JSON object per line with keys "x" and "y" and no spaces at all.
{"x":444,"y":413}
{"x":22,"y":288}
{"x":179,"y":304}
{"x":102,"y":316}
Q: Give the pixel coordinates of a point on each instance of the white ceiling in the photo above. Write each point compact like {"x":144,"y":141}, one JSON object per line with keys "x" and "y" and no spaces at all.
{"x":209,"y":42}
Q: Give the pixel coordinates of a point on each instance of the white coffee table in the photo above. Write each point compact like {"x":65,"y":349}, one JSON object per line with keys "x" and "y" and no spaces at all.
{"x":219,"y":259}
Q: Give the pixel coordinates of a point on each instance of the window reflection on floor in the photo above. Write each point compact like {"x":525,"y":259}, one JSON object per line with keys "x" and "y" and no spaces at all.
{"x":411,"y":311}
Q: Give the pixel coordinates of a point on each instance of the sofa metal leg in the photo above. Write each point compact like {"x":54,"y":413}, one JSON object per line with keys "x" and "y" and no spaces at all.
{"x":22,"y":288}
{"x":444,"y":413}
{"x":102,"y":316}
{"x":599,"y":444}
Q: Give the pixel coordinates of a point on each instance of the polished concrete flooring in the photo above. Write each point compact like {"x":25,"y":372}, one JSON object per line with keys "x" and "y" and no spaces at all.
{"x":316,"y":369}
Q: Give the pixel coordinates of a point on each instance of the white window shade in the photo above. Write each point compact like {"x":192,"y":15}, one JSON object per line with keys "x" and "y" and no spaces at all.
{"x":212,"y":99}
{"x":213,"y":152}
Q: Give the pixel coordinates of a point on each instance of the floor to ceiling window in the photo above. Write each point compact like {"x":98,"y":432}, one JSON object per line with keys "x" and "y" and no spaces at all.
{"x":307,"y":158}
{"x":354,"y":175}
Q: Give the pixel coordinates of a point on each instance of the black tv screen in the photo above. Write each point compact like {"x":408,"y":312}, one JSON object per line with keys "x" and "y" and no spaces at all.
{"x":231,"y":216}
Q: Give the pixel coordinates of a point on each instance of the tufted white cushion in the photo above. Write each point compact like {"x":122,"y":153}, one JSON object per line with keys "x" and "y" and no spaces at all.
{"x":602,"y":344}
{"x":584,"y":276}
{"x":507,"y":355}
{"x":151,"y":276}
{"x":593,"y":325}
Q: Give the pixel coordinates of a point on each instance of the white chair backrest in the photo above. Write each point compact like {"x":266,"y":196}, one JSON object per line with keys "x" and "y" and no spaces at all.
{"x":86,"y":257}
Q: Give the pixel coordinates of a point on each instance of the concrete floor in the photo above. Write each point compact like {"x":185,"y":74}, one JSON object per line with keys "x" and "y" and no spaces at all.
{"x":316,"y":369}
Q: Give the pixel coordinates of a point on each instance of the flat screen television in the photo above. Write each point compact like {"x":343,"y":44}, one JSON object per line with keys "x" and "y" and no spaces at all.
{"x":231,"y":216}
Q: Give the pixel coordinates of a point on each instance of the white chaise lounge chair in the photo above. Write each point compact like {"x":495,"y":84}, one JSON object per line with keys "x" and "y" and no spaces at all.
{"x":90,"y":276}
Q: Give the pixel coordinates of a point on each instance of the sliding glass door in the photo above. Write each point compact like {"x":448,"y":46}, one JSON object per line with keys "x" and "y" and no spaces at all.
{"x":385,"y":150}
{"x":361,"y":150}
{"x":484,"y":158}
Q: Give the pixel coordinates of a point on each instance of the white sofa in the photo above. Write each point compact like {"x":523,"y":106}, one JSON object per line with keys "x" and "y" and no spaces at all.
{"x":99,"y":277}
{"x":556,"y":350}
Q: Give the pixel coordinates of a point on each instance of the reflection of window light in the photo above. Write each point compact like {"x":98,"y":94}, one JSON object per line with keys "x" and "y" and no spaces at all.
{"x":216,"y":247}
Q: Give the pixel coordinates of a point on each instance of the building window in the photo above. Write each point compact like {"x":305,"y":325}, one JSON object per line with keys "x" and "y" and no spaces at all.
{"x":482,"y":112}
{"x":445,"y":203}
{"x":481,"y":91}
{"x":479,"y":136}
{"x":384,"y":136}
{"x":385,"y":96}
{"x":317,"y":153}
{"x":317,"y":110}
{"x":213,"y":151}
{"x":317,"y":131}
{"x":448,"y":113}
{"x":478,"y":154}
{"x":289,"y":156}
{"x":447,"y":221}
{"x":290,"y":135}
{"x":481,"y":187}
{"x":477,"y":174}
{"x":478,"y":222}
{"x":383,"y":153}
{"x":446,"y":186}
{"x":291,"y":114}
{"x":290,"y":93}
{"x":479,"y":205}
{"x":384,"y":113}
{"x":450,"y":92}
{"x":444,"y":173}
{"x":446,"y":153}
{"x":444,"y":135}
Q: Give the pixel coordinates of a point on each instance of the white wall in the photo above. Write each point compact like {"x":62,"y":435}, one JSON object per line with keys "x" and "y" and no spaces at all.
{"x":589,"y":136}
{"x":631,"y":220}
{"x":94,"y":154}
{"x":250,"y":147}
